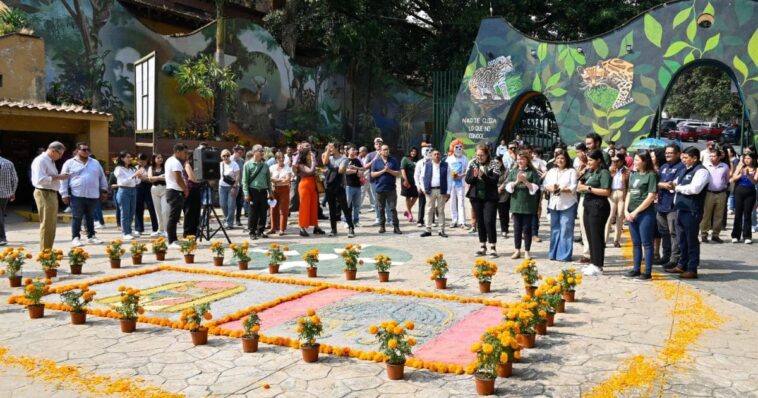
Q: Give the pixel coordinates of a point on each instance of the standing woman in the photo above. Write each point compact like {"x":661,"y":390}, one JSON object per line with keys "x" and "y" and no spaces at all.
{"x":228,"y":187}
{"x":619,"y":187}
{"x":408,"y":188}
{"x":732,"y":160}
{"x":144,"y":198}
{"x":281,"y":176}
{"x":640,"y":213}
{"x":127,"y":178}
{"x":157,"y":177}
{"x":482,"y":176}
{"x":744,"y":179}
{"x":305,"y":167}
{"x":560,"y":183}
{"x":192,"y":203}
{"x":596,"y":187}
{"x":523,"y":185}
{"x":503,"y":199}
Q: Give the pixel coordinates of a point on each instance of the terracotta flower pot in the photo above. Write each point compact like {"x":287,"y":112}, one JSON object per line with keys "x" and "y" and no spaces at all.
{"x":242,"y":265}
{"x":561,"y":307}
{"x":530,"y":290}
{"x":273,"y":268}
{"x":51,"y":273}
{"x":569,"y":296}
{"x":128,"y":325}
{"x":249,"y":344}
{"x":76,"y":269}
{"x":484,"y":386}
{"x":484,"y":287}
{"x":384,"y":276}
{"x":160,"y":256}
{"x":189,"y":258}
{"x":218,"y":261}
{"x":15,"y":281}
{"x":350,"y":274}
{"x":441,"y":283}
{"x":541,"y":328}
{"x":504,"y":369}
{"x":527,"y":340}
{"x":115,"y":263}
{"x":137,"y":260}
{"x":36,"y":311}
{"x":310,"y":353}
{"x":312,"y":272}
{"x":550,"y":318}
{"x":78,"y":318}
{"x":396,"y":371}
{"x":199,"y":337}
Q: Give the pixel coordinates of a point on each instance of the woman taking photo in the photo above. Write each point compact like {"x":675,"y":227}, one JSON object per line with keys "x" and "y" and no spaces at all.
{"x":595,"y":184}
{"x":560,"y":183}
{"x":127,"y":178}
{"x":744,"y":179}
{"x":157,"y":177}
{"x":408,"y":189}
{"x":281,"y":176}
{"x":228,"y":186}
{"x":482,"y":176}
{"x":619,"y":186}
{"x":640,"y":213}
{"x":523,"y":184}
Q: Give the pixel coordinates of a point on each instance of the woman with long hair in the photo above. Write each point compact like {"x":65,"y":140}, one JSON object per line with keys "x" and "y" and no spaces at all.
{"x":144,"y":198}
{"x":744,"y":179}
{"x":482,"y":176}
{"x":127,"y":178}
{"x":640,"y":213}
{"x":595,"y":184}
{"x":523,"y":184}
{"x":503,"y":198}
{"x":281,"y":176}
{"x":619,"y":186}
{"x":408,"y":188}
{"x":156,"y":174}
{"x":732,"y":160}
{"x":193,"y":202}
{"x":305,"y":166}
{"x":228,"y":185}
{"x":560,"y":183}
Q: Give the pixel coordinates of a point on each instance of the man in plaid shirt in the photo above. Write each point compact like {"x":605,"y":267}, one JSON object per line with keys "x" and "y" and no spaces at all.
{"x":8,"y":185}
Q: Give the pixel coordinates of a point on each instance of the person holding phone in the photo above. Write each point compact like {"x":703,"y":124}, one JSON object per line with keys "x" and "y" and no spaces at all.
{"x":127,"y":178}
{"x":745,"y":180}
{"x":47,"y":182}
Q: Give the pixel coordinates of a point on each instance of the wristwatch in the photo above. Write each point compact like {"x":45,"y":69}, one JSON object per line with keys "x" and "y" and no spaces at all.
{"x":589,"y":189}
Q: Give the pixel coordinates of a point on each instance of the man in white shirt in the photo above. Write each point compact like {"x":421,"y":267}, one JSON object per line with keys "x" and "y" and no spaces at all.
{"x":82,"y":191}
{"x":437,"y":181}
{"x":176,"y":190}
{"x":238,"y":156}
{"x":46,"y":181}
{"x":426,"y":155}
{"x":502,"y":149}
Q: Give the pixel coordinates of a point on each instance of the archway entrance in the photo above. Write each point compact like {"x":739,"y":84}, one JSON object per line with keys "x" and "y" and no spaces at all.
{"x":531,"y":119}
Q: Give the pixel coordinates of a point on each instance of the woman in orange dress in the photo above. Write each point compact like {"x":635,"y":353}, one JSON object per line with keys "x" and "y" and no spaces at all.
{"x":305,"y":167}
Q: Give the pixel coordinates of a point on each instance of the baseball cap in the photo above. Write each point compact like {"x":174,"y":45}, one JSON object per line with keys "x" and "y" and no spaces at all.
{"x":378,"y":139}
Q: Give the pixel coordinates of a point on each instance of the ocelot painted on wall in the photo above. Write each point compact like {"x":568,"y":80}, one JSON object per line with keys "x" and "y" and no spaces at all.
{"x":488,"y":83}
{"x":615,"y":73}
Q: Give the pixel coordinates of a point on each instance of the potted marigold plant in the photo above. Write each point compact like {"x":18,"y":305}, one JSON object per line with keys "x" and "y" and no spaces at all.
{"x":383,"y":264}
{"x":503,"y":338}
{"x":129,"y":309}
{"x":193,"y":317}
{"x":311,"y":258}
{"x":50,"y":259}
{"x":569,"y":279}
{"x":276,"y":257}
{"x":528,"y":271}
{"x":115,"y":251}
{"x":395,"y":344}
{"x":14,"y":259}
{"x":217,"y":248}
{"x":439,"y":270}
{"x":487,"y":359}
{"x":77,"y":256}
{"x":484,"y":271}
{"x":159,"y":247}
{"x":77,"y":301}
{"x":308,"y":328}
{"x":252,"y":325}
{"x":553,"y":297}
{"x":33,"y":292}
{"x":350,"y":254}
{"x":137,"y":249}
{"x":542,"y":309}
{"x":240,"y":254}
{"x":187,"y":246}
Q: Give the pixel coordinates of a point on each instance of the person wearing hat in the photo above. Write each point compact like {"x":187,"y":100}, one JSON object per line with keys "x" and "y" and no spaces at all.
{"x":705,"y":155}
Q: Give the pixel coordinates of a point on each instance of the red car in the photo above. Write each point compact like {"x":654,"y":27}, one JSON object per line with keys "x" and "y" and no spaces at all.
{"x":684,"y":134}
{"x":711,"y":131}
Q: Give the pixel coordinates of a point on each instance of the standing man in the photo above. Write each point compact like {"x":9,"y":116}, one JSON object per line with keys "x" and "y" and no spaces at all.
{"x":47,"y":183}
{"x":715,"y":199}
{"x":593,"y":141}
{"x":437,"y":180}
{"x":239,"y":157}
{"x":384,"y":171}
{"x":82,"y":192}
{"x":8,"y":185}
{"x":336,"y":166}
{"x":368,"y":163}
{"x":426,"y":152}
{"x":458,"y":164}
{"x":176,"y":190}
{"x":666,"y":214}
{"x":256,"y":183}
{"x":502,"y":149}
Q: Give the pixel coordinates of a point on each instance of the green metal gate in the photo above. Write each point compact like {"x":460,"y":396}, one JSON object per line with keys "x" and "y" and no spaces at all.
{"x":444,"y":89}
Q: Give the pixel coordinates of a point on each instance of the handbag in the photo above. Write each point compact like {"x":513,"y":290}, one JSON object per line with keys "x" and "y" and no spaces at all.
{"x":320,"y":188}
{"x":227,"y":179}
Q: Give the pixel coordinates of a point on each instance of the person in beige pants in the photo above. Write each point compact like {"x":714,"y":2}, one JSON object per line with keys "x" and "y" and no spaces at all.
{"x":619,"y":187}
{"x":46,"y":181}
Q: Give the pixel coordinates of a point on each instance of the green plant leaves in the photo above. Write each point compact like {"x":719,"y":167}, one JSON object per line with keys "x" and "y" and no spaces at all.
{"x":537,"y":85}
{"x":640,"y":124}
{"x":752,"y":47}
{"x":600,"y":129}
{"x":619,"y":113}
{"x":553,"y":80}
{"x":740,"y":66}
{"x":470,"y":69}
{"x":617,"y":124}
{"x":664,"y":76}
{"x":689,"y":57}
{"x":482,"y":60}
{"x":628,"y":39}
{"x":641,"y":99}
{"x":648,"y":83}
{"x":744,"y":11}
{"x":541,"y":51}
{"x":558,"y":92}
{"x":675,"y":48}
{"x":712,"y":42}
{"x":692,"y":30}
{"x":682,"y":16}
{"x":600,"y":47}
{"x":569,"y":64}
{"x":653,"y":30}
{"x":709,"y":9}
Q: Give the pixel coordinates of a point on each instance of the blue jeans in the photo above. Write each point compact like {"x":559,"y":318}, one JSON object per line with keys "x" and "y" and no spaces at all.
{"x":99,"y":213}
{"x":228,"y":198}
{"x":83,"y":207}
{"x":642,"y":230}
{"x":354,"y":201}
{"x":127,"y":203}
{"x":562,"y":233}
{"x":687,"y":226}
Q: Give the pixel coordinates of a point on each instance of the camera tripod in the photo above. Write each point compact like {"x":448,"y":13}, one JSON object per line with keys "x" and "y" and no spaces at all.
{"x":204,"y":229}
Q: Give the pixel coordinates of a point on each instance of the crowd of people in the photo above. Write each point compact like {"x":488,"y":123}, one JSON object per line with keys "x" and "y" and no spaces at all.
{"x":671,"y":200}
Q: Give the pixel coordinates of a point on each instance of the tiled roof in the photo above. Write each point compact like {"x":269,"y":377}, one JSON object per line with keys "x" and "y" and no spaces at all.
{"x":44,"y":106}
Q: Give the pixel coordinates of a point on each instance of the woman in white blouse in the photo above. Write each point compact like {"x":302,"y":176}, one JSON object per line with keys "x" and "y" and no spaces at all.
{"x":560,"y":183}
{"x":281,"y":175}
{"x":127,"y":178}
{"x":228,"y":186}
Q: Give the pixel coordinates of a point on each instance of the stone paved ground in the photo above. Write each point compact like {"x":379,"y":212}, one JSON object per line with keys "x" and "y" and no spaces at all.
{"x":614,"y":320}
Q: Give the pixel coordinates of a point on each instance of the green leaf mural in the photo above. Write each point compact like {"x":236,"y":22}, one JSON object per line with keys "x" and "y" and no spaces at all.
{"x":664,"y":76}
{"x":752,"y":47}
{"x":541,"y":51}
{"x":627,"y":40}
{"x":600,"y":47}
{"x":740,"y":66}
{"x":682,"y":16}
{"x":653,"y":30}
{"x":675,"y":48}
{"x":648,"y":83}
{"x":709,"y":9}
{"x":691,"y":30}
{"x":712,"y":42}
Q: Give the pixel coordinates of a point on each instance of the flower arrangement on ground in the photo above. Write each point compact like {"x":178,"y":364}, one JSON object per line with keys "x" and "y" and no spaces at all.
{"x":350,"y":254}
{"x":188,"y":245}
{"x":159,"y":247}
{"x":239,"y":253}
{"x":569,"y":279}
{"x":50,"y":259}
{"x":484,"y":367}
{"x":115,"y":251}
{"x":551,"y":292}
{"x":530,"y":274}
{"x":137,"y":249}
{"x":276,"y":257}
{"x":77,"y":256}
{"x":311,"y":258}
{"x":14,"y":259}
{"x":33,"y":292}
{"x":523,"y":317}
{"x":439,"y":266}
{"x":217,"y":248}
{"x":308,"y":328}
{"x":77,"y":300}
{"x":496,"y":350}
{"x":383,"y":264}
{"x":484,"y":271}
{"x":192,"y":319}
{"x":251,"y":325}
{"x":129,"y":309}
{"x":395,"y":345}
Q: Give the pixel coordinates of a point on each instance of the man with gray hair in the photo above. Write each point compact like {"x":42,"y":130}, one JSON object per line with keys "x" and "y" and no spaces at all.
{"x":47,"y":182}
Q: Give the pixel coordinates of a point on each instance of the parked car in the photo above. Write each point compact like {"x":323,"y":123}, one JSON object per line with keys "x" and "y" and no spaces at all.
{"x":684,"y":134}
{"x":731,"y":134}
{"x":666,"y":127}
{"x":690,"y":123}
{"x":711,"y":131}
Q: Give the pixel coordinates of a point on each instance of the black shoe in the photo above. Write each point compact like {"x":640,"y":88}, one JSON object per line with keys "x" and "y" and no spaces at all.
{"x":716,"y":239}
{"x":442,"y":234}
{"x":253,"y":236}
{"x":426,"y":233}
{"x":482,"y":251}
{"x":332,"y":233}
{"x":351,"y":233}
{"x":397,"y":230}
{"x":382,"y":229}
{"x":645,"y":277}
{"x":304,"y":233}
{"x":661,"y":261}
{"x":670,"y":265}
{"x":632,"y":274}
{"x":704,"y":239}
{"x":262,"y":235}
{"x":318,"y":231}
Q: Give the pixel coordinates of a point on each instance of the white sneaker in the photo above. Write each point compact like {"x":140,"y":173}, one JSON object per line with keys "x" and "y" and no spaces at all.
{"x":735,"y":240}
{"x":156,"y":233}
{"x":175,"y":245}
{"x":94,"y":241}
{"x":376,"y":223}
{"x":136,"y":234}
{"x":76,"y":242}
{"x":99,"y":225}
{"x":127,"y":237}
{"x":67,"y":209}
{"x":592,"y":270}
{"x":748,"y":241}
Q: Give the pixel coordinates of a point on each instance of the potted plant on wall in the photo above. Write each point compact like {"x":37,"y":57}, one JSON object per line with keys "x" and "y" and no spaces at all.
{"x":439,"y":270}
{"x":311,"y":258}
{"x":188,"y":246}
{"x":159,"y":248}
{"x":383,"y":264}
{"x":240,"y":254}
{"x":276,"y":257}
{"x":350,"y":254}
{"x":308,"y":328}
{"x":50,"y":259}
{"x":530,"y":275}
{"x":217,"y":249}
{"x":33,"y":292}
{"x":395,"y":344}
{"x":77,"y":256}
{"x":193,"y":317}
{"x":569,"y":279}
{"x":14,"y":259}
{"x":129,"y":309}
{"x":77,"y":301}
{"x":115,"y":251}
{"x":252,"y":325}
{"x":137,"y":249}
{"x":484,"y":271}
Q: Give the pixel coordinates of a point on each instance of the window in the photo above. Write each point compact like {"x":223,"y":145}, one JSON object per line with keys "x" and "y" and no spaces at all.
{"x":1,"y":80}
{"x":145,"y":94}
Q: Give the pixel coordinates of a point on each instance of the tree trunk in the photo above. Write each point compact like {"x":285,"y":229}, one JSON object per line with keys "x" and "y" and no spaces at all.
{"x":221,"y":124}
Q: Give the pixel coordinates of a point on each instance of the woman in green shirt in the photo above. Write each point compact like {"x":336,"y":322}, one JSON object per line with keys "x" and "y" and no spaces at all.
{"x":595,"y":184}
{"x":640,"y":213}
{"x":523,"y":184}
{"x":408,"y":188}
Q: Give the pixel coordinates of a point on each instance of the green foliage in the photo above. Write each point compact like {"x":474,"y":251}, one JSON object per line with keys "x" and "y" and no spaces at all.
{"x":704,"y":92}
{"x":205,"y":77}
{"x":14,"y":20}
{"x":602,"y":96}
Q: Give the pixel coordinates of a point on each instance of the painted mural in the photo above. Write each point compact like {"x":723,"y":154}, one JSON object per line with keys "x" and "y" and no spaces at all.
{"x":612,"y":84}
{"x":91,"y":47}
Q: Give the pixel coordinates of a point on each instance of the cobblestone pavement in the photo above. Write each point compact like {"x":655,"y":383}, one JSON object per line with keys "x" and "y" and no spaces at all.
{"x":614,"y":322}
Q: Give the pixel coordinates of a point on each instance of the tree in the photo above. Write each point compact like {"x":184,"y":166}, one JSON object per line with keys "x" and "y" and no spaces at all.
{"x":222,"y":122}
{"x":209,"y":80}
{"x":703,"y":92}
{"x":14,"y":20}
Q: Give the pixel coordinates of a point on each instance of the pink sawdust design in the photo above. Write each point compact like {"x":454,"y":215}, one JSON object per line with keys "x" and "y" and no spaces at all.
{"x":452,"y":345}
{"x":290,"y":310}
{"x":215,"y":284}
{"x":170,"y":301}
